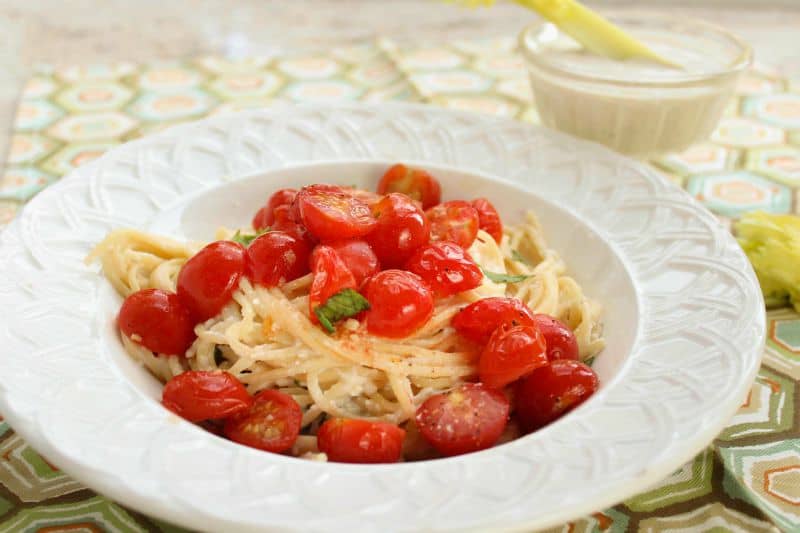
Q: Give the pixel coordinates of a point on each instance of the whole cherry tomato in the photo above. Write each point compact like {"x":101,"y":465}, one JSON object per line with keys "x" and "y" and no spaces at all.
{"x":158,"y":320}
{"x":415,"y":183}
{"x":208,"y":279}
{"x":286,"y":221}
{"x":469,"y":418}
{"x":488,"y":218}
{"x":331,"y":275}
{"x":198,"y":395}
{"x":510,"y":353}
{"x":401,"y":229}
{"x":455,"y":221}
{"x":277,"y":257}
{"x":330,"y":214}
{"x":265,"y":216}
{"x":478,"y":320}
{"x":561,"y":341}
{"x":446,"y":267}
{"x":359,"y":258}
{"x":400,"y":303}
{"x":271,"y":424}
{"x":346,"y":440}
{"x":552,"y":390}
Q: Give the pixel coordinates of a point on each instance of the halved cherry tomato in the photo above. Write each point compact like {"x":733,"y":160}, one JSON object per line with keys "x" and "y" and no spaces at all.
{"x":510,"y":354}
{"x":416,"y":183}
{"x":561,"y":341}
{"x":285,"y":220}
{"x":400,"y":303}
{"x":346,"y":440}
{"x":469,"y":418}
{"x":331,"y":275}
{"x":208,"y":279}
{"x":359,"y":258}
{"x":488,"y":218}
{"x":478,"y":320}
{"x":401,"y":229}
{"x":198,"y":395}
{"x":446,"y":267}
{"x":551,"y":391}
{"x":277,"y":257}
{"x":158,"y":320}
{"x":265,"y":216}
{"x":271,"y":424}
{"x":331,"y":214}
{"x":368,"y":197}
{"x":456,"y":221}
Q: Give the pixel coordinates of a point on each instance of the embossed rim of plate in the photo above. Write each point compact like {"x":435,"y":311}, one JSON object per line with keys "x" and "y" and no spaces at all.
{"x":72,"y":405}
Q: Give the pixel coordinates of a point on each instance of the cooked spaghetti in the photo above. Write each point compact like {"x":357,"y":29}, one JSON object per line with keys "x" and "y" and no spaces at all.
{"x":266,"y":338}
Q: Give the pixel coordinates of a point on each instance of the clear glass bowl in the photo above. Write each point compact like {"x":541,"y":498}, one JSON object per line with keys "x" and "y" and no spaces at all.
{"x":636,"y":108}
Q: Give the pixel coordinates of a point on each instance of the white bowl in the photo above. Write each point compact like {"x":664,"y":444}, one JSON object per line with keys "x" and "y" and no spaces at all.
{"x":684,"y":322}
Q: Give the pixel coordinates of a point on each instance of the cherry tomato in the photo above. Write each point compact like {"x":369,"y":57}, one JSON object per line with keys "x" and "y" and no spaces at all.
{"x":400,"y":303}
{"x":551,"y":391}
{"x":488,"y":218}
{"x":271,"y":424}
{"x":265,"y":216}
{"x":198,"y":395}
{"x":277,"y":257}
{"x":208,"y":279}
{"x":446,"y":267}
{"x":469,"y":418}
{"x":561,"y":342}
{"x":158,"y":320}
{"x":285,"y":220}
{"x":331,"y":275}
{"x":369,"y":198}
{"x":510,"y":354}
{"x":346,"y":440}
{"x":478,"y":320}
{"x":415,"y":183}
{"x":331,"y":214}
{"x":359,"y":258}
{"x":454,"y":221}
{"x":401,"y":229}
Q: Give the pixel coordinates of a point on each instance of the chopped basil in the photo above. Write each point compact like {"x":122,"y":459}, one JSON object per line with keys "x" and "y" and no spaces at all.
{"x":504,"y":278}
{"x":246,"y":238}
{"x":516,"y":256}
{"x":343,"y":304}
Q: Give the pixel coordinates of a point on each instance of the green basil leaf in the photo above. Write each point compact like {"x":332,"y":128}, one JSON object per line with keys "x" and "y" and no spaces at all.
{"x":343,"y":304}
{"x":504,"y":278}
{"x":246,"y":238}
{"x":516,"y":256}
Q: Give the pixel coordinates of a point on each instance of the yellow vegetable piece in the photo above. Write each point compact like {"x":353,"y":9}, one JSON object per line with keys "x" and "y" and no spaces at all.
{"x":594,"y":32}
{"x":772,"y":243}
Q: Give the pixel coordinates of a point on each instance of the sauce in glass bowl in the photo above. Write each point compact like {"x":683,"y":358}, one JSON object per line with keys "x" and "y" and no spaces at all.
{"x":636,"y":107}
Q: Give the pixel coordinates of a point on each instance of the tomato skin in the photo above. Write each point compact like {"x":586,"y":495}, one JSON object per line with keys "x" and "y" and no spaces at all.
{"x":331,"y":214}
{"x":510,"y":353}
{"x":551,"y":391}
{"x":331,"y":275}
{"x":277,"y":257}
{"x":346,"y":440}
{"x":478,"y":320}
{"x":469,"y":418}
{"x":456,"y":221}
{"x":488,"y":218}
{"x":272,"y":423}
{"x":160,"y":319}
{"x":359,"y":258}
{"x":401,"y":229}
{"x":415,"y":183}
{"x":446,"y":267}
{"x":197,"y":395}
{"x":285,"y":220}
{"x":265,"y":216}
{"x":207,"y":280}
{"x":400,"y":303}
{"x":561,"y":341}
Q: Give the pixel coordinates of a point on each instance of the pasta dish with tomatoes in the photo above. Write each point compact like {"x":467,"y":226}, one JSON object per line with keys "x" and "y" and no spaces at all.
{"x":362,"y":327}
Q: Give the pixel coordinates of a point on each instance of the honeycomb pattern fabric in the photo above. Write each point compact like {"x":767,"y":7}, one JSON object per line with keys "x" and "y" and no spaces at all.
{"x":748,"y":480}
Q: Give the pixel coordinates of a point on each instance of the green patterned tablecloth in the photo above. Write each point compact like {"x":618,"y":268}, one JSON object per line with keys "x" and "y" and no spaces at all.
{"x":748,"y":480}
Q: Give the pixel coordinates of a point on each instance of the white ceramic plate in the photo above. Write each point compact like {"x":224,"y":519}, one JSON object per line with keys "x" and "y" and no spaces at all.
{"x":684,"y":321}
